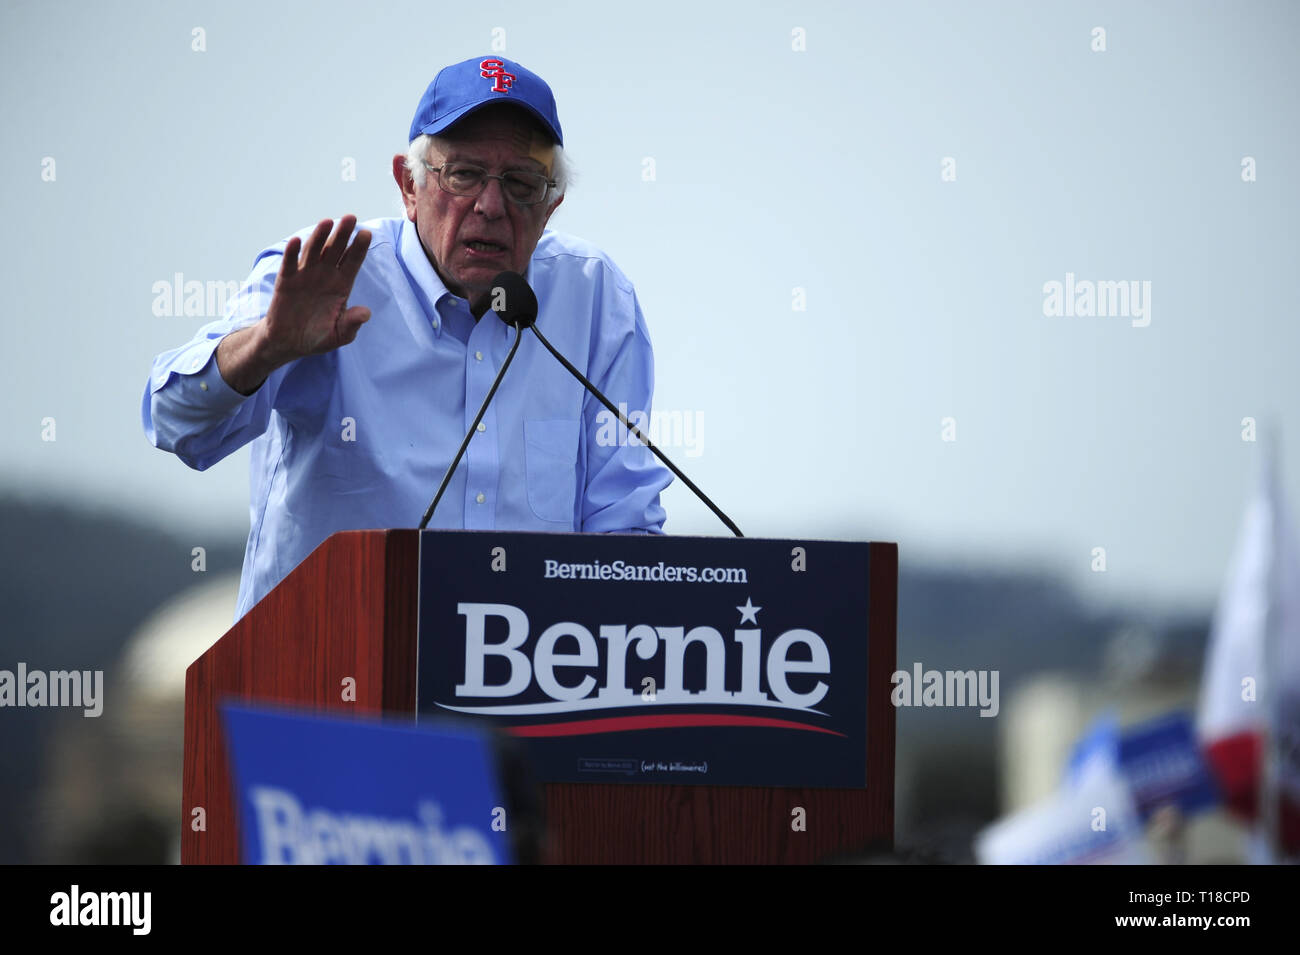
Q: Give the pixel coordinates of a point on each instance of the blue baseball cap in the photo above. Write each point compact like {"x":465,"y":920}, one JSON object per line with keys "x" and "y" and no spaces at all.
{"x":461,"y":89}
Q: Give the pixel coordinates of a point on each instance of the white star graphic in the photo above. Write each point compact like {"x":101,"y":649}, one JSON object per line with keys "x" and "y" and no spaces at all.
{"x":749,"y":612}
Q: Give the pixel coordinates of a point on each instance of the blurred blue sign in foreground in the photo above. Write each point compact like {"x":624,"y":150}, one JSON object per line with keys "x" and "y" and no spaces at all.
{"x":1090,"y":820}
{"x":1163,"y":764}
{"x":1160,"y":760}
{"x":320,"y":790}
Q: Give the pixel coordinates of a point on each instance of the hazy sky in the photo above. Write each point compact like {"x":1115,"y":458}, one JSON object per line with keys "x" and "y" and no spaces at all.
{"x":724,"y":169}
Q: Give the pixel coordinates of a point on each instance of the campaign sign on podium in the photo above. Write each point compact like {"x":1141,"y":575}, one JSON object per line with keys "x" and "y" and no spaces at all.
{"x":317,"y":790}
{"x":625,"y":658}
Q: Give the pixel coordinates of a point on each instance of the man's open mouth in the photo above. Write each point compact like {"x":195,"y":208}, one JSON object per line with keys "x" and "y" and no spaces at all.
{"x":485,"y":247}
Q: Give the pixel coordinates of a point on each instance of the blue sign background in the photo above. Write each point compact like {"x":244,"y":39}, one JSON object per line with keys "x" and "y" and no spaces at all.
{"x":380,"y":777}
{"x":686,"y":741}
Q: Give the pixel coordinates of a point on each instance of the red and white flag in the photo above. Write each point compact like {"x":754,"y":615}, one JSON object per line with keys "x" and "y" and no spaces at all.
{"x":1249,"y":720}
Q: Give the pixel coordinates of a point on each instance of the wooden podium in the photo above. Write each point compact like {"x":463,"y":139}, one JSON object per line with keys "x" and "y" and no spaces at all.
{"x":349,"y":611}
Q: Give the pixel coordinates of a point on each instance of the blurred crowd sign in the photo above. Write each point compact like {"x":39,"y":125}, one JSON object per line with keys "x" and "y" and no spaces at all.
{"x":316,"y":790}
{"x":1094,"y":822}
{"x":1163,"y":764}
{"x":1090,"y":819}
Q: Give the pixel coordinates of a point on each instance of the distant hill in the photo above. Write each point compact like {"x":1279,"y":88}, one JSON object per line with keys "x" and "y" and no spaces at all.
{"x":74,"y":586}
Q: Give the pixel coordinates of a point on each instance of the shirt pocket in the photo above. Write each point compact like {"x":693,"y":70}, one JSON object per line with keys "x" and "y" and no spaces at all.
{"x":550,"y":461}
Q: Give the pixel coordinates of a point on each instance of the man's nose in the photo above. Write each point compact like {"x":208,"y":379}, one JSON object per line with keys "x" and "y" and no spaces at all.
{"x":491,"y":202}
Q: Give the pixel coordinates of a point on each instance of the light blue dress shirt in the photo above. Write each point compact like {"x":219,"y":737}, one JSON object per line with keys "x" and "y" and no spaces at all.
{"x":361,"y":436}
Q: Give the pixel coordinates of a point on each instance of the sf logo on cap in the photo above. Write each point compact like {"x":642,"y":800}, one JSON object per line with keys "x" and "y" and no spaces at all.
{"x":495,"y":69}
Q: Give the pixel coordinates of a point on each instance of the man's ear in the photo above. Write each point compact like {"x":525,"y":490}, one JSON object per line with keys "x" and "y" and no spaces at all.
{"x":405,"y":184}
{"x":551,"y":211}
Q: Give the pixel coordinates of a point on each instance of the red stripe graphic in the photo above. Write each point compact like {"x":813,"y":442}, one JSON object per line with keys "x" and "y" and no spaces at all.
{"x":619,"y":724}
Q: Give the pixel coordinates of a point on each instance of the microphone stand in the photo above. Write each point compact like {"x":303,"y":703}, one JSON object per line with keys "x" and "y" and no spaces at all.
{"x":635,"y":430}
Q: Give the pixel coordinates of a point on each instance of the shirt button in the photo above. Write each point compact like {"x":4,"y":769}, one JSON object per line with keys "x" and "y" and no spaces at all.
{"x":482,"y":426}
{"x":478,"y":356}
{"x":480,"y":498}
{"x":196,"y":364}
{"x":203,"y":386}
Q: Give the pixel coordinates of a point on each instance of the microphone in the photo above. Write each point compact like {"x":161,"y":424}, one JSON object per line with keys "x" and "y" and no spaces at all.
{"x":518,"y":283}
{"x":515,"y":304}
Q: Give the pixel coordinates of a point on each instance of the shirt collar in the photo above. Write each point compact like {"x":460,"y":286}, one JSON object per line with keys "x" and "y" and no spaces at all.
{"x":429,"y":287}
{"x":428,"y":284}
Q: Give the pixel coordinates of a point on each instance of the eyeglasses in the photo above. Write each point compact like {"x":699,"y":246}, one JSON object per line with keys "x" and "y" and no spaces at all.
{"x":466,"y":179}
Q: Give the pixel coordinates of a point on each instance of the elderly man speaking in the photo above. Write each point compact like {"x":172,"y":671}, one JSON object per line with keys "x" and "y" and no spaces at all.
{"x":355,"y":364}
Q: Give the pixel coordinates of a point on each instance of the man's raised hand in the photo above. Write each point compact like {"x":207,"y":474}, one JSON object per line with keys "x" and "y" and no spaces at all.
{"x":308,"y":314}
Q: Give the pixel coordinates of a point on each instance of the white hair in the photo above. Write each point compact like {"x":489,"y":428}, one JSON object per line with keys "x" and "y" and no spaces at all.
{"x":419,"y":152}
